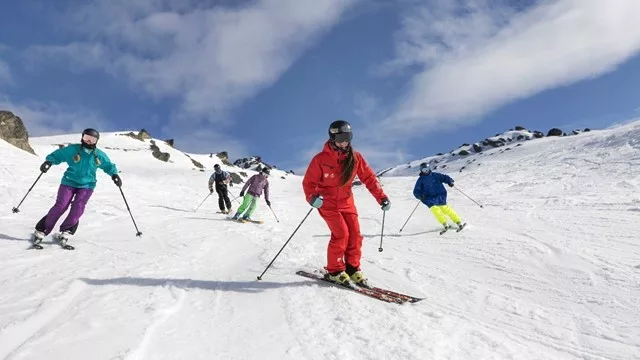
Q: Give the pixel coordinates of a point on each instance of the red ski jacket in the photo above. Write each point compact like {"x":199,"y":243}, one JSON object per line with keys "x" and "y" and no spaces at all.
{"x":323,"y":178}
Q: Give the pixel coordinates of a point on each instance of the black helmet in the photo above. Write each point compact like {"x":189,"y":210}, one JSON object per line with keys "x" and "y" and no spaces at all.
{"x":340,"y":131}
{"x":93,"y":133}
{"x":425,"y":168}
{"x":266,"y":170}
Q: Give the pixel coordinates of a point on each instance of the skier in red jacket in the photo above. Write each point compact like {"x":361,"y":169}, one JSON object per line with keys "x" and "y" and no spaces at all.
{"x":327,"y":187}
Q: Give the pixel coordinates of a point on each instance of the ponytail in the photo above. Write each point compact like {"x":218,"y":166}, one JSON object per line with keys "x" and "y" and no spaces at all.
{"x":347,"y":167}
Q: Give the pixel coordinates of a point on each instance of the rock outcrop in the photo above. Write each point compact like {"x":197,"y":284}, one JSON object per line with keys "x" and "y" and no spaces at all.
{"x":13,"y":131}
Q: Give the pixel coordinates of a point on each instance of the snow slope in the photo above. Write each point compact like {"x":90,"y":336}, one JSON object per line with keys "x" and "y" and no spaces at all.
{"x":548,"y":269}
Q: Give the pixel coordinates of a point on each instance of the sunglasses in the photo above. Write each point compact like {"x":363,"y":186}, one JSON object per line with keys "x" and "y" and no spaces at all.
{"x":89,"y":139}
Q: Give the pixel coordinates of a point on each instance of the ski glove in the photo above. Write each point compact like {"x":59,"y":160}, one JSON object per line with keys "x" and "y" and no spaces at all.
{"x":241,"y":193}
{"x":45,"y":166}
{"x":316,"y":201}
{"x":211,"y":190}
{"x":450,"y":184}
{"x":386,"y":204}
{"x":116,"y":180}
{"x":268,"y":203}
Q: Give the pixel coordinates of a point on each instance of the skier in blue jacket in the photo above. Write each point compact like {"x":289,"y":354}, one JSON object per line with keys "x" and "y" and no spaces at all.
{"x":431,"y":192}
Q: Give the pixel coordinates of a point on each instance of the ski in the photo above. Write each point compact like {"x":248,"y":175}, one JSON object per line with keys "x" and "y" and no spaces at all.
{"x":445,"y":230}
{"x":251,"y":221}
{"x":405,"y":297}
{"x":461,"y":227}
{"x":361,"y":290}
{"x":40,"y":247}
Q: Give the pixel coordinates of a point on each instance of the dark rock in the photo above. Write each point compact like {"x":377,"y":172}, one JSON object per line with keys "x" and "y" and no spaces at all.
{"x":224,"y":157}
{"x":236,"y":179}
{"x":13,"y":131}
{"x":554,"y":132}
{"x":463,"y":153}
{"x":169,"y":142}
{"x":537,"y":134}
{"x":520,"y":128}
{"x":162,"y":156}
{"x":587,"y":129}
{"x":477,"y":148}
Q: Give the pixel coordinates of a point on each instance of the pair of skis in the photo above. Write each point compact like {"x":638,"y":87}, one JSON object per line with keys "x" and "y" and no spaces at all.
{"x":371,"y":291}
{"x":457,"y":230}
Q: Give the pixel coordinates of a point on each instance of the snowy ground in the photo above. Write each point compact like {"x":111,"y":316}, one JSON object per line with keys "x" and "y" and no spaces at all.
{"x":549,"y":269}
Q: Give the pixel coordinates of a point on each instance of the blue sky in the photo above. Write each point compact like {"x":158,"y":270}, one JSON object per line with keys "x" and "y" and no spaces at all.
{"x":267,"y":77}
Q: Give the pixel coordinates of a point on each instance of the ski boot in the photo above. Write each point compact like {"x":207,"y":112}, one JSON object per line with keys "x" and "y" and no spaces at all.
{"x":340,"y":278}
{"x":359,"y":279}
{"x":62,"y":239}
{"x":461,"y":226}
{"x":236,"y":216}
{"x":446,"y":228}
{"x":36,"y":239}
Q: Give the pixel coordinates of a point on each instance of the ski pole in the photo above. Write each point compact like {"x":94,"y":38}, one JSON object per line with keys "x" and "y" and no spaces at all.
{"x":138,"y":233}
{"x":285,"y":244}
{"x":274,"y":213}
{"x":382,"y":231}
{"x":455,"y":187}
{"x":17,"y":208}
{"x":414,"y":210}
{"x":205,"y":199}
{"x":236,"y":199}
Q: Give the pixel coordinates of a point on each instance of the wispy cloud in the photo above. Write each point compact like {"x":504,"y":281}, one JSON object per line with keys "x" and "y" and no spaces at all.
{"x":45,"y":119}
{"x":205,"y":141}
{"x":473,"y":58}
{"x":212,"y":58}
{"x":5,"y":71}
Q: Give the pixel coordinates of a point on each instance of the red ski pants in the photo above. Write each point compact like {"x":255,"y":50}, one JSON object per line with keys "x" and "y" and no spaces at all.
{"x":346,"y":241}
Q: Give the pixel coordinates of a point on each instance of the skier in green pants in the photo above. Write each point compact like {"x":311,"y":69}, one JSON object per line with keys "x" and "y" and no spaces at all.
{"x":256,"y":184}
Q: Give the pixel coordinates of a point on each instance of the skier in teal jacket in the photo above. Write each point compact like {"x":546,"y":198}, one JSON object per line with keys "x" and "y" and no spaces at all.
{"x":77,"y":185}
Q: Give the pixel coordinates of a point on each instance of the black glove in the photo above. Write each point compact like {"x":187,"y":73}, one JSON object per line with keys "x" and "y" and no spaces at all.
{"x":45,"y":166}
{"x":450,"y":184}
{"x":241,"y":193}
{"x":386,"y":204}
{"x":211,"y":190}
{"x":268,"y":203}
{"x":116,"y":180}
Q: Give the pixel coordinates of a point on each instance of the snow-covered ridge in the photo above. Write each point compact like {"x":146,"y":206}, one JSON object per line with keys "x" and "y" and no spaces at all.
{"x":465,"y":156}
{"x":149,"y":152}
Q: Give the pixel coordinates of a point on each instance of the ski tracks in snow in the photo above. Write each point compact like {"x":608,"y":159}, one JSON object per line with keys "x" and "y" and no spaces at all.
{"x":161,"y":317}
{"x":15,"y":338}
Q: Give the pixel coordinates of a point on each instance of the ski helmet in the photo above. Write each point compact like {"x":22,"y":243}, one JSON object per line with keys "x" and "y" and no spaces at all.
{"x":340,"y":131}
{"x":92,"y":133}
{"x":266,"y":170}
{"x":216,"y":167}
{"x":425,"y":168}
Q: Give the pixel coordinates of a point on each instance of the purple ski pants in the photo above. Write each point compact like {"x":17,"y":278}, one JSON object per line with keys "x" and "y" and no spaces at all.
{"x":67,"y":195}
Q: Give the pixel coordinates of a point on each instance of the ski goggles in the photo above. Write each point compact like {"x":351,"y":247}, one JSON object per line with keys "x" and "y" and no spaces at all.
{"x":343,"y":137}
{"x":91,"y":140}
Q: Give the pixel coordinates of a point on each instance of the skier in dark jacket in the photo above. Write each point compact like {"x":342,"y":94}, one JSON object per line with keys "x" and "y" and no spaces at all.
{"x":221,"y":179}
{"x":431,"y":192}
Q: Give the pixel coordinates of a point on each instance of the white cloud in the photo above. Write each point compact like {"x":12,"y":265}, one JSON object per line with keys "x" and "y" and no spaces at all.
{"x":475,"y":58}
{"x":201,"y":140}
{"x":5,"y":71}
{"x":44,"y":119}
{"x":210,"y":58}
